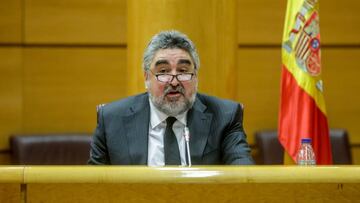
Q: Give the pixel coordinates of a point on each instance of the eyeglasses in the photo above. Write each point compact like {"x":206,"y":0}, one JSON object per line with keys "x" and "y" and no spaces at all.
{"x":182,"y":77}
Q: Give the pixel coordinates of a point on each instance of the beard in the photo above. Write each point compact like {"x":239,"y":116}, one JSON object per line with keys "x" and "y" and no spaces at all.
{"x":173,"y":107}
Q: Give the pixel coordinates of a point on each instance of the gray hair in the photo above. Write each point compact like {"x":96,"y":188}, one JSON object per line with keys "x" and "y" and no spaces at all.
{"x":169,"y":40}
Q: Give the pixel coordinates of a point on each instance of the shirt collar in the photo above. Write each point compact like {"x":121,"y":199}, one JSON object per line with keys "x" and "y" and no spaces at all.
{"x":157,"y":116}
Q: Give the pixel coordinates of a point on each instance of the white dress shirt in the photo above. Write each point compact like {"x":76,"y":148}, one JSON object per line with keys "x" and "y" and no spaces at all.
{"x":157,"y":128}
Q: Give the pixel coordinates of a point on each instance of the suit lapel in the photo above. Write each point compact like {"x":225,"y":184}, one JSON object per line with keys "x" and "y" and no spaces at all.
{"x":137,"y":129}
{"x":199,"y":126}
{"x":136,"y":125}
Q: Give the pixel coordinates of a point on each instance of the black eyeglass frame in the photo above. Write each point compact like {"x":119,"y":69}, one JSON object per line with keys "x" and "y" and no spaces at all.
{"x":172,"y":76}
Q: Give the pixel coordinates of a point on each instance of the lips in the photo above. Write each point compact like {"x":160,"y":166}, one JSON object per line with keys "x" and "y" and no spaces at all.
{"x":174,"y":94}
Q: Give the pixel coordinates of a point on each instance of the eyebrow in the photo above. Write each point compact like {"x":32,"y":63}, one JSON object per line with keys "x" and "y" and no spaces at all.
{"x":184,"y":61}
{"x":160,"y":62}
{"x":181,"y":61}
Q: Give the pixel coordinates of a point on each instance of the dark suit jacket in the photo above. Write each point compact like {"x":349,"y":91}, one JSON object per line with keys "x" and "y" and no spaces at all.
{"x":216,"y":132}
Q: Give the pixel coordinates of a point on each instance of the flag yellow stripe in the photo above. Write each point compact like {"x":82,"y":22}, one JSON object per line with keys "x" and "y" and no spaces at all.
{"x":304,"y":80}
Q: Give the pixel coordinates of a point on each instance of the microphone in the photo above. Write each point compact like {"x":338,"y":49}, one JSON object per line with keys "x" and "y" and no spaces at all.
{"x":187,"y":139}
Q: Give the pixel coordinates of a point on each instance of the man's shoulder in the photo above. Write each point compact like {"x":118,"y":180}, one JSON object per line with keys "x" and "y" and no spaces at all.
{"x":125,"y":104}
{"x":223,"y":109}
{"x":212,"y":101}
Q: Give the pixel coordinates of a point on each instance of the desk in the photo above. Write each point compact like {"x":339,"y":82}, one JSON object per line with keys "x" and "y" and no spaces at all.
{"x":179,"y":184}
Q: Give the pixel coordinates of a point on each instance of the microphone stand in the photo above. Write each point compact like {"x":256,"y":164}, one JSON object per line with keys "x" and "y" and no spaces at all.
{"x":187,"y":147}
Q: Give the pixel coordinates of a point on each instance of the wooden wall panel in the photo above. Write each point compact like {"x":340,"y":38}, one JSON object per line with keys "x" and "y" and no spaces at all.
{"x":10,"y":192}
{"x":262,"y":21}
{"x":75,"y":21}
{"x":258,"y":88}
{"x":5,"y":158}
{"x":341,"y":71}
{"x":10,"y":93}
{"x":340,"y":21}
{"x":10,"y":21}
{"x":356,"y":155}
{"x":62,"y":86}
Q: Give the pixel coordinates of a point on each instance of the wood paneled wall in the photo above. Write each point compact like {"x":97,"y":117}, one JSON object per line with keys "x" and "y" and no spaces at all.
{"x":213,"y":32}
{"x":10,"y":93}
{"x":10,"y":21}
{"x":75,"y":21}
{"x":63,"y":85}
{"x":59,"y":59}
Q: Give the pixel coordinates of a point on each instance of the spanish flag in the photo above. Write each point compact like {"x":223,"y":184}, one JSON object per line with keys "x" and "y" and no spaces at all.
{"x":302,"y":107}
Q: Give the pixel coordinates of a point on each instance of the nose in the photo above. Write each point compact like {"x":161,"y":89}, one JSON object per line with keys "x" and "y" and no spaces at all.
{"x":174,"y":81}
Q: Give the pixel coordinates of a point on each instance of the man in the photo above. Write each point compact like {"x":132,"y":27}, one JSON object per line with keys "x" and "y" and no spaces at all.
{"x":148,"y":129}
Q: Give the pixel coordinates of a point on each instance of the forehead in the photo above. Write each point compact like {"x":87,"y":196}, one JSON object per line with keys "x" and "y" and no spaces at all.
{"x":171,"y":55}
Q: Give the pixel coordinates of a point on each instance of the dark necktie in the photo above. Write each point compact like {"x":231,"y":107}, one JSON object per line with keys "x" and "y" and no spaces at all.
{"x":171,"y":147}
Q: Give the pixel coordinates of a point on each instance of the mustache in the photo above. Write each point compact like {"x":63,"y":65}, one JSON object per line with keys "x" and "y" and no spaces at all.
{"x":170,"y":89}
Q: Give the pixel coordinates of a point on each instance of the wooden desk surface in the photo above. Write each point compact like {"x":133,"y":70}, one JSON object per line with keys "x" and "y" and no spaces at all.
{"x":210,"y":174}
{"x":11,"y":174}
{"x":180,"y":184}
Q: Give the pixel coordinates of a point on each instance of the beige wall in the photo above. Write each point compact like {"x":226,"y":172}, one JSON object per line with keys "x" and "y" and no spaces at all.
{"x":59,"y":59}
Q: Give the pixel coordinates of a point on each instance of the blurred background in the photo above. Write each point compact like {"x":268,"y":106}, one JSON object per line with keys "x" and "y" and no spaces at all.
{"x":59,"y":59}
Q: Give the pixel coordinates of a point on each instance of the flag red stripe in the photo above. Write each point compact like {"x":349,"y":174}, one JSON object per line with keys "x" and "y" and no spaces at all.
{"x":299,"y":118}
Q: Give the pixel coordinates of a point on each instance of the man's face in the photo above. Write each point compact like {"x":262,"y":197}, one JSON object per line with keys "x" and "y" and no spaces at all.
{"x":173,"y":97}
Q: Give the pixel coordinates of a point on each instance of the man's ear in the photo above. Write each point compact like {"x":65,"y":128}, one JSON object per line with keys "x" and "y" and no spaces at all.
{"x":146,"y":77}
